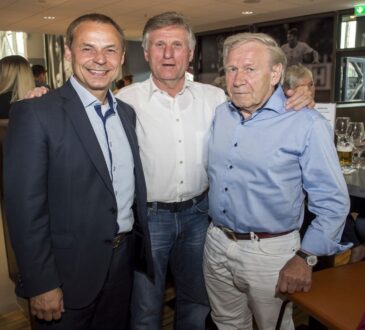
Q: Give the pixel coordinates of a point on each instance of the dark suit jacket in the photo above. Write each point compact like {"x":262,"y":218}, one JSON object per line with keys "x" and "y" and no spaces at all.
{"x":59,"y":199}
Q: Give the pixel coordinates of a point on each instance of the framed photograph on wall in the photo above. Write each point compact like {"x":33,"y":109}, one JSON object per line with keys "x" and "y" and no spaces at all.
{"x":308,"y":41}
{"x":209,"y":56}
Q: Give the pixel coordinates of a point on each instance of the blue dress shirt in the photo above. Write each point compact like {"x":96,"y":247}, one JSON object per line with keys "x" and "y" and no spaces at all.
{"x":120,"y":163}
{"x":260,"y":168}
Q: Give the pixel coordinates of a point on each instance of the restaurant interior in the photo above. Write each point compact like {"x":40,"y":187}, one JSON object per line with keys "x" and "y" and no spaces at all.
{"x":334,"y":29}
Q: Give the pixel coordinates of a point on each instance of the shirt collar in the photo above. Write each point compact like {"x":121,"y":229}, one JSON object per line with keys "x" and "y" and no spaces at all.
{"x":188,"y":85}
{"x":86,"y":97}
{"x":275,"y":103}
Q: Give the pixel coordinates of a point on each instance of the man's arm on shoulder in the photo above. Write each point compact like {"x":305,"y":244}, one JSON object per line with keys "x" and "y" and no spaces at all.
{"x":299,"y":98}
{"x":26,"y":200}
{"x":36,"y":92}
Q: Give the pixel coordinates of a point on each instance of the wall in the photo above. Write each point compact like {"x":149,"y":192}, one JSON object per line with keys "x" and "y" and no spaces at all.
{"x":8,"y":299}
{"x":356,"y":114}
{"x":135,"y":63}
{"x":35,"y":48}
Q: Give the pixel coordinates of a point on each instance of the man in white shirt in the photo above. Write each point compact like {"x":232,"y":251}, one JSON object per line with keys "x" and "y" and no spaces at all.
{"x":174,"y":119}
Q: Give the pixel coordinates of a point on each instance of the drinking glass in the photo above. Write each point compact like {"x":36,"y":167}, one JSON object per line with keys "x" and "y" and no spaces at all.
{"x":355,"y":130}
{"x":341,"y":126}
{"x":344,"y":148}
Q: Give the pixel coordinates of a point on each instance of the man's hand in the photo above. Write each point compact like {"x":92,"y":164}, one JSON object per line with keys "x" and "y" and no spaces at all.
{"x":48,"y":306}
{"x":36,"y":92}
{"x":295,"y":276}
{"x":299,"y":98}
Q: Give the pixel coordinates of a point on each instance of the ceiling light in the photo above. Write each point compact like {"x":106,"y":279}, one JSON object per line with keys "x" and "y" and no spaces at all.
{"x":247,"y":12}
{"x":49,"y":17}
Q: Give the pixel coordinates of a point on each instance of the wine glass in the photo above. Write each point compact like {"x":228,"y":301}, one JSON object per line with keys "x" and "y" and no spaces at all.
{"x":355,"y":132}
{"x":341,"y":126}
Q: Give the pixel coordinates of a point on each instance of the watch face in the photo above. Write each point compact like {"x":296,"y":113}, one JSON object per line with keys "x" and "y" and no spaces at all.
{"x":312,"y":260}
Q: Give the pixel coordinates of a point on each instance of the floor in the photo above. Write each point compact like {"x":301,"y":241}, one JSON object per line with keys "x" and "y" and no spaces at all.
{"x":17,"y":320}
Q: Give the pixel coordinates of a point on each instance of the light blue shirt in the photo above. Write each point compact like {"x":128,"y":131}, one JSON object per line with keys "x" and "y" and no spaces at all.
{"x":123,"y":164}
{"x":260,"y":168}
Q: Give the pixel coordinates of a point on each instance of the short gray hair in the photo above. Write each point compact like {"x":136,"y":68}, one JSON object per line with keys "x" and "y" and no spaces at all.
{"x":169,"y":18}
{"x":276,"y":54}
{"x":293,"y":74}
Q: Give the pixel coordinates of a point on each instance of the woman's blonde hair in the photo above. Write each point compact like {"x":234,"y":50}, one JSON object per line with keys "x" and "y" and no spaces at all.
{"x":16,"y":76}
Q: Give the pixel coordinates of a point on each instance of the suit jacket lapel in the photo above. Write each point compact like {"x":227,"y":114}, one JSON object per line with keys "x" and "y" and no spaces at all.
{"x":129,"y":131}
{"x":84,"y":130}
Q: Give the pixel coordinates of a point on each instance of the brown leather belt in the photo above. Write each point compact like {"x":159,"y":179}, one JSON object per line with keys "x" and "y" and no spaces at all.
{"x":117,"y":240}
{"x":178,"y":206}
{"x":246,"y":236}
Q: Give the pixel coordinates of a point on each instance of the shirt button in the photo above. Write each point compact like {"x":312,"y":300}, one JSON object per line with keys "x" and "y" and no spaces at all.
{"x":230,"y":167}
{"x":181,"y":162}
{"x":181,"y":182}
{"x":225,"y":189}
{"x":224,"y":211}
{"x":177,"y":119}
{"x":180,"y":141}
{"x":236,"y":144}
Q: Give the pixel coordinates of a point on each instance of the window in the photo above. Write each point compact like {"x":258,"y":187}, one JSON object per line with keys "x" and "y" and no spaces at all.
{"x":13,"y":43}
{"x":350,"y":59}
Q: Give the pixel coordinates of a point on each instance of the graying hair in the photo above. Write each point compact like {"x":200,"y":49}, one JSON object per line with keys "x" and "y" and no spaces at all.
{"x":276,"y":54}
{"x":293,"y":74}
{"x":169,"y":18}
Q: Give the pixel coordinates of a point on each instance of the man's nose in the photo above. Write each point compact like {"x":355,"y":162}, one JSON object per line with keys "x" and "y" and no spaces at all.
{"x":168,"y":51}
{"x":99,"y":57}
{"x":240,"y":77}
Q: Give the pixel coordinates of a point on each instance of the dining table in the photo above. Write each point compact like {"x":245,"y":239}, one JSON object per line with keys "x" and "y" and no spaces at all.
{"x":356,"y":183}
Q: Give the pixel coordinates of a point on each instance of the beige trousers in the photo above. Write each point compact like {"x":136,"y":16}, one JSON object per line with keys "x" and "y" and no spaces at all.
{"x":241,"y":278}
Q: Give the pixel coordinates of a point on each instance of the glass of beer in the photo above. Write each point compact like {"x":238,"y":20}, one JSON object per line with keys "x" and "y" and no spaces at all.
{"x":344,"y":152}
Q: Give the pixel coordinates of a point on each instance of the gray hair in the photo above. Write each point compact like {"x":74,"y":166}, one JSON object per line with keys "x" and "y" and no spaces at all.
{"x":293,"y":74}
{"x":169,"y":18}
{"x":276,"y":54}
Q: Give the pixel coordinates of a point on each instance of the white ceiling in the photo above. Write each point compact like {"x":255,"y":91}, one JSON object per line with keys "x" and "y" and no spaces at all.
{"x":27,"y":15}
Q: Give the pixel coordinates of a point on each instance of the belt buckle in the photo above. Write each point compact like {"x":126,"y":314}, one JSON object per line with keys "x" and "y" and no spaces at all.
{"x":117,"y":240}
{"x":230,"y":234}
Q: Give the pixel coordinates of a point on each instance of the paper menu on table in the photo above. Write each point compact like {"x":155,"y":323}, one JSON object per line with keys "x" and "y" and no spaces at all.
{"x":328,"y":111}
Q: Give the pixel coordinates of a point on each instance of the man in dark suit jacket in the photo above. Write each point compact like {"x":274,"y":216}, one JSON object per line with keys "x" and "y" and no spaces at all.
{"x":74,"y":190}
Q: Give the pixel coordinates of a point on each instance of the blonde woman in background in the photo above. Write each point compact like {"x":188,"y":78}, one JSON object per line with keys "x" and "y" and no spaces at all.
{"x":16,"y":79}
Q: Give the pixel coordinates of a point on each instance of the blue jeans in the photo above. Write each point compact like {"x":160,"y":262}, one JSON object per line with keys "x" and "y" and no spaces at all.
{"x":178,"y":240}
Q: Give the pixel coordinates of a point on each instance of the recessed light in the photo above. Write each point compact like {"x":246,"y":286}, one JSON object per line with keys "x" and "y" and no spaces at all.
{"x":49,"y":17}
{"x":247,"y":12}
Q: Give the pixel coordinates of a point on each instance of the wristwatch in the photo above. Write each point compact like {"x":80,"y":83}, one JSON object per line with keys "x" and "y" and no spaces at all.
{"x":310,"y":259}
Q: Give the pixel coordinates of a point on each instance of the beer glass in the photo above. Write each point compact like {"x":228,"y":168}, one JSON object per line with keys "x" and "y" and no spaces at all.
{"x":344,"y":151}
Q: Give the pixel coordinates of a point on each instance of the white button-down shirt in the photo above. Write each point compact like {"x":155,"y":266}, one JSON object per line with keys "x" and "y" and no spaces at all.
{"x":173,"y":134}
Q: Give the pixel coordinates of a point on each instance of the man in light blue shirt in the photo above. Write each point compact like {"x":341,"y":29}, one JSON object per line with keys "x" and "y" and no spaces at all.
{"x":262,"y":161}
